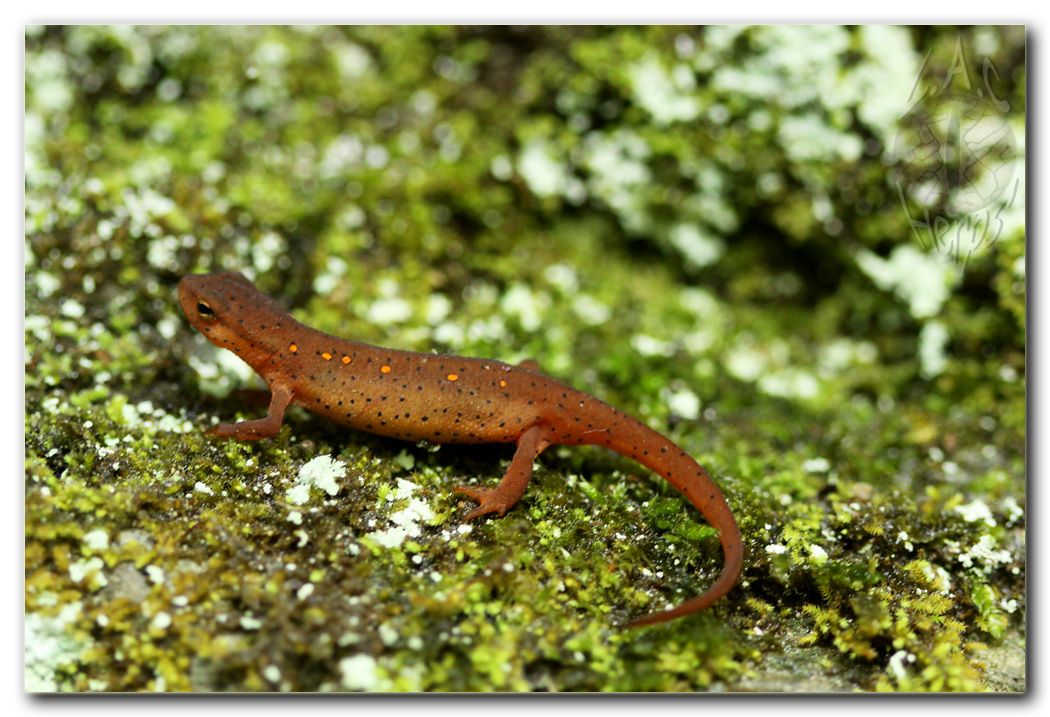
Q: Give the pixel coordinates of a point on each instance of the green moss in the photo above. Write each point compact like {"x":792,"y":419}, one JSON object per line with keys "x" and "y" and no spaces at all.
{"x":379,"y":182}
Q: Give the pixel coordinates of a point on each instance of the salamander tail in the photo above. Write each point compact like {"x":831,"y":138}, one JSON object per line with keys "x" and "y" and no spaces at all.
{"x":634,"y":440}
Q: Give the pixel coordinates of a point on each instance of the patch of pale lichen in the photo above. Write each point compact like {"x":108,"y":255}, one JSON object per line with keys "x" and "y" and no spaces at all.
{"x":471,"y":191}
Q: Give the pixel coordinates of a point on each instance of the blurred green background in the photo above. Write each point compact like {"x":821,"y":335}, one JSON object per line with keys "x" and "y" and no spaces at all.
{"x":798,"y":251}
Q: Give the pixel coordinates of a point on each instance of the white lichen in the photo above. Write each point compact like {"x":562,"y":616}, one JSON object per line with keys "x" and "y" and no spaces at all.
{"x":542,"y":171}
{"x":88,"y":571}
{"x":359,"y":672}
{"x":976,"y":510}
{"x":816,"y":465}
{"x":405,"y":523}
{"x":97,"y":539}
{"x":322,"y":472}
{"x":697,"y":244}
{"x":984,"y":556}
{"x":923,"y":280}
{"x":50,"y":645}
{"x":684,"y":403}
{"x":932,"y":341}
{"x":666,"y":96}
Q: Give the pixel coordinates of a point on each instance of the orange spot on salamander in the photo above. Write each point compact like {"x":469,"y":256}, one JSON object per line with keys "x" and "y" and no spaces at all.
{"x":293,"y":348}
{"x":385,"y":369}
{"x":502,"y":384}
{"x":453,"y":377}
{"x":326,"y":356}
{"x":346,"y":359}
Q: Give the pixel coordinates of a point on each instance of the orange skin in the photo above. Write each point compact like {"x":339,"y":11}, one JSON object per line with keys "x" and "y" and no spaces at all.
{"x":441,"y":399}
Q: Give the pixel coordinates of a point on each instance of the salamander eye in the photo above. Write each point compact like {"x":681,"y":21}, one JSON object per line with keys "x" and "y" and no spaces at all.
{"x":205,"y":311}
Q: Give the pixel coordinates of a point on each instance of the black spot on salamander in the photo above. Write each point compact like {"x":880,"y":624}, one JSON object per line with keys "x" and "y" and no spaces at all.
{"x":424,"y":419}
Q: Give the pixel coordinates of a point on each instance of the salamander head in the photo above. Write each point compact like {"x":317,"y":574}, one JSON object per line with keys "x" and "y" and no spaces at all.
{"x":230,"y":311}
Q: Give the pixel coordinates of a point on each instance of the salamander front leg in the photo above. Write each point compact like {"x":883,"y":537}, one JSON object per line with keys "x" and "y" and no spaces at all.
{"x":268,"y":427}
{"x":512,"y":486}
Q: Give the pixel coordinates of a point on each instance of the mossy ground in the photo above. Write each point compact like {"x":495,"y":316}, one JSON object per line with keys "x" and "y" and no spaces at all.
{"x":471,"y":191}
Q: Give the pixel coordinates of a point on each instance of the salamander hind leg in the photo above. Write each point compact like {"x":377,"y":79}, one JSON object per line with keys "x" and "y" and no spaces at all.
{"x":512,"y":486}
{"x":267,"y":427}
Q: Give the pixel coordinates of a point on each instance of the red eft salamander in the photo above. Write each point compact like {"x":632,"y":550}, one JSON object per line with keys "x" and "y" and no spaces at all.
{"x":441,"y":399}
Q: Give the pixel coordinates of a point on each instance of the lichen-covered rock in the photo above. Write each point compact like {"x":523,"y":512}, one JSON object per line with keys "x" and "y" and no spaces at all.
{"x":750,"y":237}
